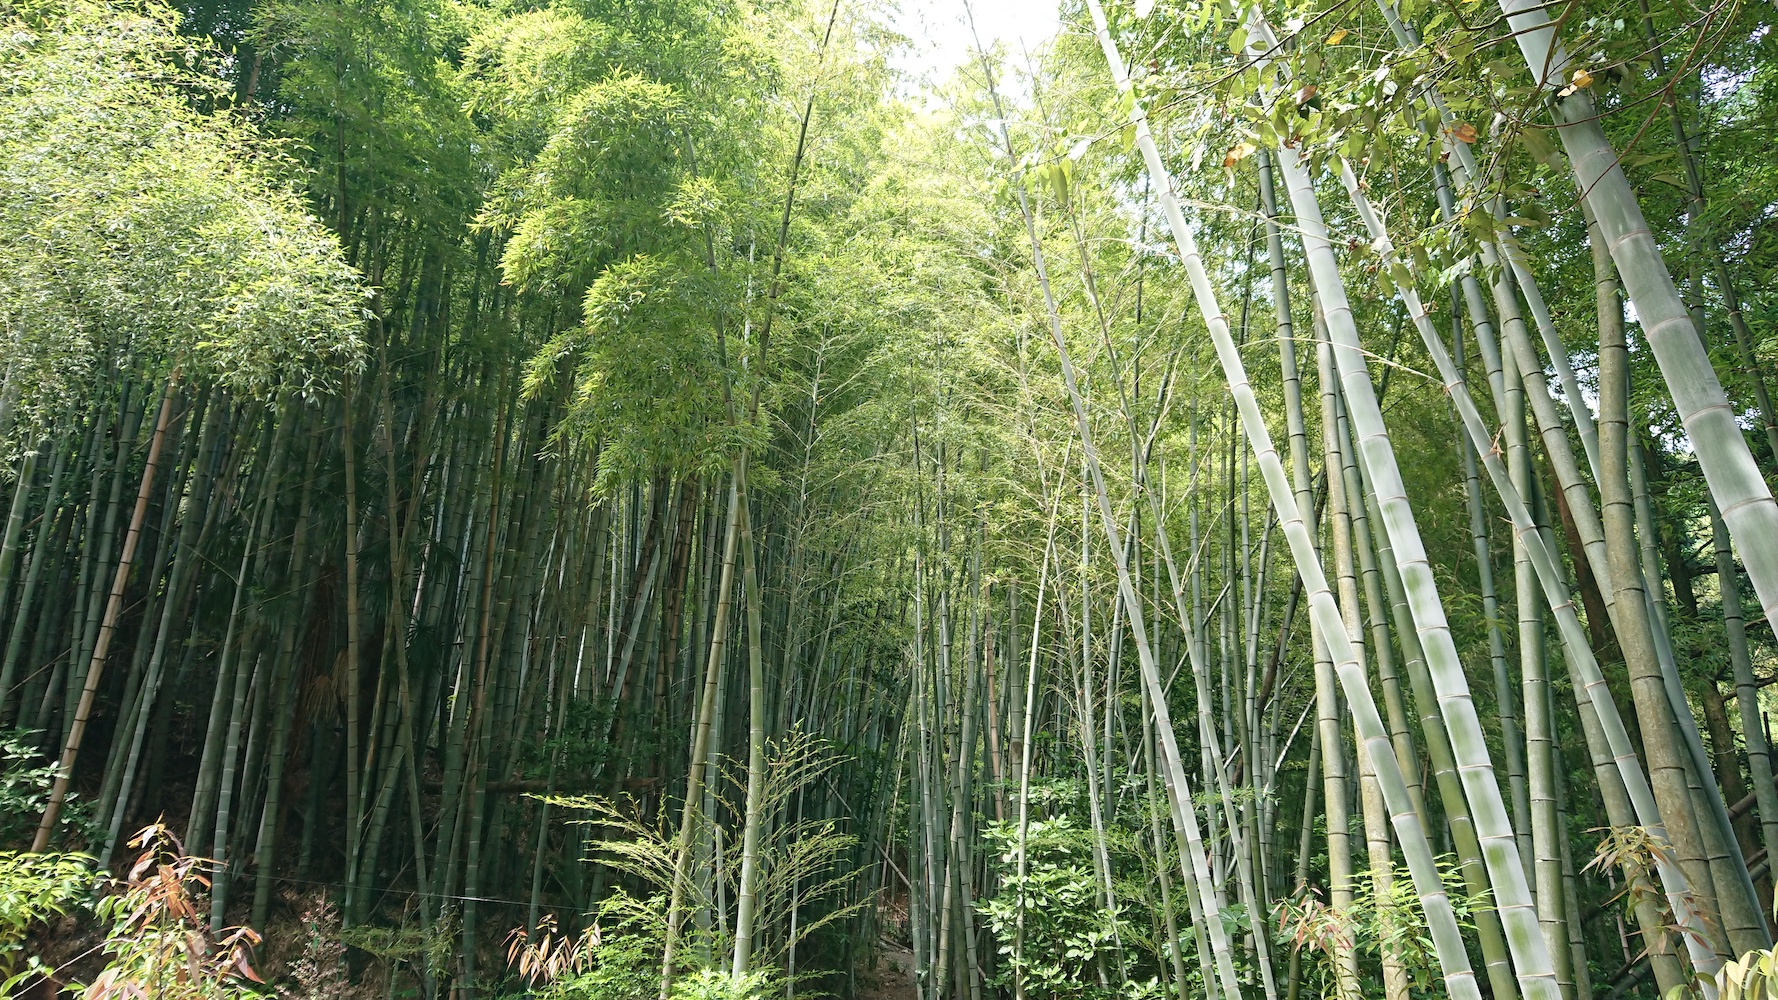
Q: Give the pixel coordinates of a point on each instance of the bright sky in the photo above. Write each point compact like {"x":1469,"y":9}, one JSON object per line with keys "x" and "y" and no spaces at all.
{"x":942,"y":38}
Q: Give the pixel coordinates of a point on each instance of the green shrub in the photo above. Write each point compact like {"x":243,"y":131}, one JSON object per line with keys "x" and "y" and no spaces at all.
{"x":34,"y":888}
{"x":25,"y":784}
{"x":710,"y":984}
{"x":597,"y":965}
{"x":158,"y":944}
{"x":1068,"y":931}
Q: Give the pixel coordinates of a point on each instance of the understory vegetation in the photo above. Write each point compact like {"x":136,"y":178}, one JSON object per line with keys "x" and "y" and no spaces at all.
{"x":651,"y":500}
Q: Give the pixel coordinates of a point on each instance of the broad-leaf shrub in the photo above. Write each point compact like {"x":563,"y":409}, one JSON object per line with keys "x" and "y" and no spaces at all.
{"x":25,"y":783}
{"x":33,"y":889}
{"x":1067,"y":930}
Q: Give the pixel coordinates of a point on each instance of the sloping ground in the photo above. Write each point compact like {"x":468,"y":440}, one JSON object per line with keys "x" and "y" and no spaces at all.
{"x":892,"y":979}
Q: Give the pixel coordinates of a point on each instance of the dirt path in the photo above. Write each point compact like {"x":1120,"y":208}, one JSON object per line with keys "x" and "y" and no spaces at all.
{"x":893,"y":978}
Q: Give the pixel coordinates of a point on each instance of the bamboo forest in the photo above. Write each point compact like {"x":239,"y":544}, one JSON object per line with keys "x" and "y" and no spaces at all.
{"x":948,"y":500}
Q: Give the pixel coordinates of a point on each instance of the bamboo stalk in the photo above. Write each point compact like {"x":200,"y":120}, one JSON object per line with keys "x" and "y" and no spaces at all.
{"x":1591,"y":681}
{"x":1460,"y":980}
{"x":1741,"y":492}
{"x":113,"y":607}
{"x":1493,"y":827}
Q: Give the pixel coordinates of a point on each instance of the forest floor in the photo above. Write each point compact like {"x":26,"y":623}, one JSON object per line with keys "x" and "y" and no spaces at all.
{"x":893,"y":978}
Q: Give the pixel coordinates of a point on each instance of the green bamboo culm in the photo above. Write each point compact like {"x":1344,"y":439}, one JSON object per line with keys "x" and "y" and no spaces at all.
{"x":1460,"y":979}
{"x":1703,"y":407}
{"x":1573,"y":634}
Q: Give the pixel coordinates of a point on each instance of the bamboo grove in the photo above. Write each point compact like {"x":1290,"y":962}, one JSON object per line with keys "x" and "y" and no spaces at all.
{"x":647,"y":499}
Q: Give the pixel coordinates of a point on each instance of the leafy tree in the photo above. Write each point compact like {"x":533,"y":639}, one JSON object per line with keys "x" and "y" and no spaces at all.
{"x":143,"y":235}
